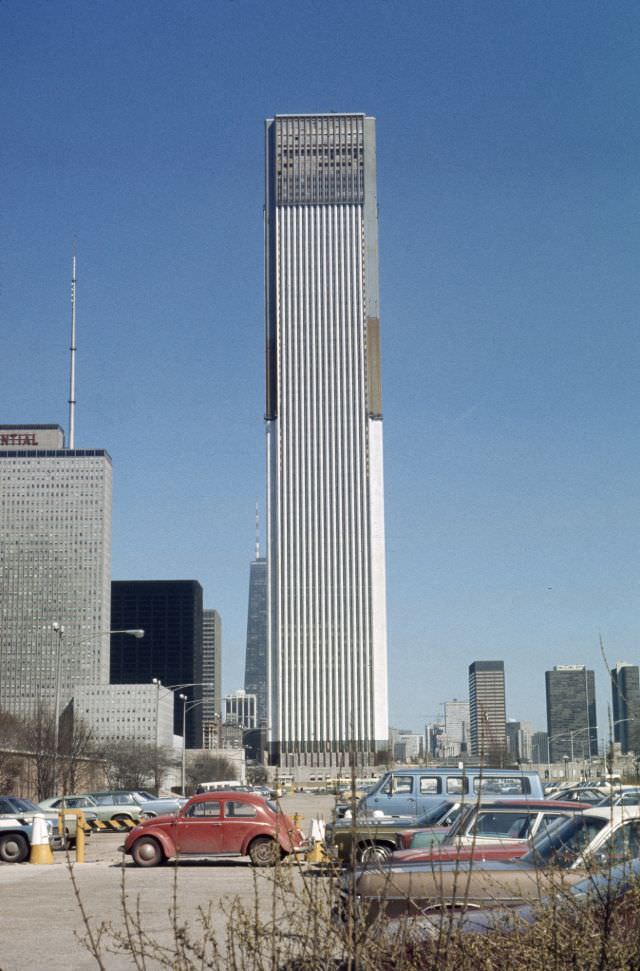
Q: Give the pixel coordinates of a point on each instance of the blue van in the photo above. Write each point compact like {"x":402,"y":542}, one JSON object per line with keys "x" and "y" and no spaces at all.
{"x":411,"y":791}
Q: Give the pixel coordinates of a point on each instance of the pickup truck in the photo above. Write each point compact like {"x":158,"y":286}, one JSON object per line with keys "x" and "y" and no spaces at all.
{"x":372,"y":839}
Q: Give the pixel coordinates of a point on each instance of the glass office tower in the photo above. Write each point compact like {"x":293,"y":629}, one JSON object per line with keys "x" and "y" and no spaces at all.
{"x":571,"y":712}
{"x":327,"y":646}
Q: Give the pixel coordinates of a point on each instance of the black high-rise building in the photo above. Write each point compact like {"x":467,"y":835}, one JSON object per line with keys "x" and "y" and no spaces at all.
{"x":625,"y":692}
{"x":170,"y":612}
{"x":571,"y":712}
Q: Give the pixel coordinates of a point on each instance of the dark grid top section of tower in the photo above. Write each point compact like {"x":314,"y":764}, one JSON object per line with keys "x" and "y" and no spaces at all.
{"x":318,"y":159}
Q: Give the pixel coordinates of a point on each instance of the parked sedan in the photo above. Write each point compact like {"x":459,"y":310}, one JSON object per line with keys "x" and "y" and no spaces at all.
{"x":624,"y":797}
{"x":146,"y":804}
{"x":608,"y":889}
{"x":485,"y":826}
{"x":600,"y":836}
{"x":216,"y":824}
{"x":15,"y":839}
{"x":151,"y":806}
{"x":104,"y":810}
{"x":26,"y":809}
{"x":117,"y":806}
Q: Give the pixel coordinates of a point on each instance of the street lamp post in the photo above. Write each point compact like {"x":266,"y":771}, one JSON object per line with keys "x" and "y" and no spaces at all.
{"x":183,"y":699}
{"x":186,"y":706}
{"x":59,"y":631}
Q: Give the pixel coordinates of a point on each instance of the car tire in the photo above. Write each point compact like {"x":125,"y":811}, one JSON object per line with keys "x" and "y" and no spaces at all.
{"x":373,"y":854}
{"x":146,"y":851}
{"x":264,"y":852}
{"x":13,"y":848}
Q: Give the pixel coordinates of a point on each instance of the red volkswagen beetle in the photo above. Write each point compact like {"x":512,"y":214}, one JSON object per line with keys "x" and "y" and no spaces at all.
{"x":227,"y":823}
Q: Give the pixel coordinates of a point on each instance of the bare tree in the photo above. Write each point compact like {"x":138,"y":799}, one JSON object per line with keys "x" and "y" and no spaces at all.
{"x":136,"y":765}
{"x":208,"y":768}
{"x":39,"y":741}
{"x":10,"y":739}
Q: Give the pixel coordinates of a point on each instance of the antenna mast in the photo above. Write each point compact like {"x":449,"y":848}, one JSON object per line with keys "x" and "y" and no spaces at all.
{"x":72,"y":349}
{"x":257,"y":531}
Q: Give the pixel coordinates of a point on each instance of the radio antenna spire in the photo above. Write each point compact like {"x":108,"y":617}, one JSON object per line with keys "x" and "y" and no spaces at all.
{"x":257,"y":531}
{"x":72,"y":349}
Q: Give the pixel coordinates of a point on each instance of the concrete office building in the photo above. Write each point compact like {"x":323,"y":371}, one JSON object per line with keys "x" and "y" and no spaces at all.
{"x":170,"y":613}
{"x":55,"y":567}
{"x":132,"y":712}
{"x":325,"y":520}
{"x":625,"y":692}
{"x":255,"y":669}
{"x":211,"y":671}
{"x":240,"y":709}
{"x":487,"y":709}
{"x":571,"y":712}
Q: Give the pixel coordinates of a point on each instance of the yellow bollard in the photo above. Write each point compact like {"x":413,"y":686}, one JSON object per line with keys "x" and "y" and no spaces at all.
{"x":297,"y":819}
{"x":80,"y":824}
{"x":318,"y":853}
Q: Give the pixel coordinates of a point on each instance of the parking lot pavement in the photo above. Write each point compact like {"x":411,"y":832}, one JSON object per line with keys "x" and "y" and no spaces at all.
{"x":41,"y":920}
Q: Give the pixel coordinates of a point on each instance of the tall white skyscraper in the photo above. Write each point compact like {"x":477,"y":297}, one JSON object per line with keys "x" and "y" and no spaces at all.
{"x":55,"y":567}
{"x":326,"y":560}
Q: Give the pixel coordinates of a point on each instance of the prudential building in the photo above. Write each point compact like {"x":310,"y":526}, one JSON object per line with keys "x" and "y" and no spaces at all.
{"x":327,"y":641}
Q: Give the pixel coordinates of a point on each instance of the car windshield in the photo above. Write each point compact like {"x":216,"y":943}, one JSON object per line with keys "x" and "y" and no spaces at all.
{"x":564,"y":841}
{"x":143,"y":796}
{"x":24,"y":805}
{"x":434,"y":815}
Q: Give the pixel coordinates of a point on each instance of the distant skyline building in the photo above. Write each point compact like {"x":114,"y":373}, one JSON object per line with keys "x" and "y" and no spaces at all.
{"x":240,"y":709}
{"x":487,"y":708}
{"x":326,"y":551}
{"x":571,"y":712}
{"x":255,"y":665}
{"x":211,"y":669}
{"x":520,"y":739}
{"x":55,"y":567}
{"x":170,"y":613}
{"x":625,"y":694}
{"x":456,"y":727}
{"x":539,"y":748}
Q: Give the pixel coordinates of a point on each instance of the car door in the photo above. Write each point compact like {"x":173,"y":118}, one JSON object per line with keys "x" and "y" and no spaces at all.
{"x":396,"y":797}
{"x":239,"y":819}
{"x":199,"y":830}
{"x":497,"y":826}
{"x":622,"y":845}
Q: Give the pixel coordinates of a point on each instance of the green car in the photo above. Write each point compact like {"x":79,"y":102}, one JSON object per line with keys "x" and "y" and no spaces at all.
{"x":103,"y":807}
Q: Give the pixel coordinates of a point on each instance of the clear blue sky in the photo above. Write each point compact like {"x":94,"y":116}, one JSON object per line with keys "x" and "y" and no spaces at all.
{"x":508,"y":168}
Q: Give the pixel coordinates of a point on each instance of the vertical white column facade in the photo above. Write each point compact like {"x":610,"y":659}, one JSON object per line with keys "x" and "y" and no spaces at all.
{"x":326,"y":570}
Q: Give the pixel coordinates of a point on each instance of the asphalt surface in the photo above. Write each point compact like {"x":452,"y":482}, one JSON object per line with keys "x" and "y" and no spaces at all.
{"x":41,"y":925}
